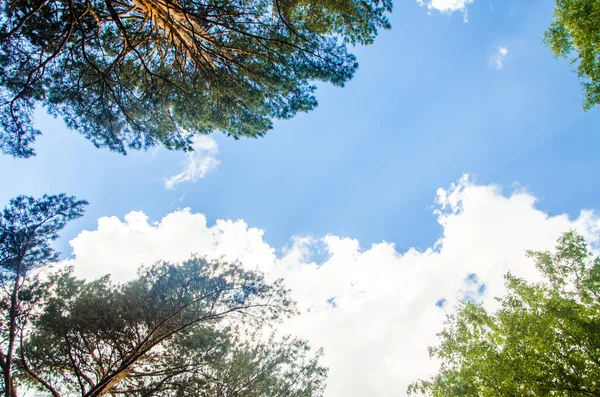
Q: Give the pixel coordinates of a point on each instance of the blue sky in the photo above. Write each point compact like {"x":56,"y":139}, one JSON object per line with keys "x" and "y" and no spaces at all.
{"x":434,"y":98}
{"x":427,"y":104}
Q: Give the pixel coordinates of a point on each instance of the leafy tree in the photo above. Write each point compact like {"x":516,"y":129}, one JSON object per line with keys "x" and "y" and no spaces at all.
{"x":543,"y":341}
{"x":27,"y":227}
{"x":177,"y":330}
{"x":128,"y":74}
{"x":575,"y":34}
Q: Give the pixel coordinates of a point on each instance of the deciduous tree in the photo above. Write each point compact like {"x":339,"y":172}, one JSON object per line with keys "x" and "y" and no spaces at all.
{"x":543,"y":341}
{"x":575,"y":34}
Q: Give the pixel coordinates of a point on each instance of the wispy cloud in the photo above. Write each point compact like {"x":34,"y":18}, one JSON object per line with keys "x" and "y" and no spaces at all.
{"x":447,"y":6}
{"x":498,"y":57}
{"x":197,"y":163}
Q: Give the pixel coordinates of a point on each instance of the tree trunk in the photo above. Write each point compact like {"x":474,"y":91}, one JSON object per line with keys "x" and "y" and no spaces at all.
{"x":9,"y":387}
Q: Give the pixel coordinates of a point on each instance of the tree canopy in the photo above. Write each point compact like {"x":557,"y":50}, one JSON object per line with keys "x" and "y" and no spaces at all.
{"x":27,"y":227}
{"x":190,"y":329}
{"x":129,"y":74}
{"x":575,"y":34}
{"x":543,"y":341}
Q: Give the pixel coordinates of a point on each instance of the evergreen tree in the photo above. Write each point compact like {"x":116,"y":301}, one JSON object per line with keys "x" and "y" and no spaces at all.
{"x":193,"y":329}
{"x":27,"y":227}
{"x":129,"y":74}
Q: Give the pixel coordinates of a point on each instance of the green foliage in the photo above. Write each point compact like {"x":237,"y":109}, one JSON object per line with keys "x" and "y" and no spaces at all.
{"x":27,"y":227}
{"x":193,"y":329}
{"x":575,"y":34}
{"x":177,"y":330}
{"x":543,"y":341}
{"x":129,"y":74}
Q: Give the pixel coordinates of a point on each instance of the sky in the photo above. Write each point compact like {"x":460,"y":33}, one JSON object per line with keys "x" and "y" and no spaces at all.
{"x":460,"y":143}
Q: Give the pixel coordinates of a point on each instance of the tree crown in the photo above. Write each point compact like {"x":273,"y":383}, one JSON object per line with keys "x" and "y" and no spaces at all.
{"x":129,"y":74}
{"x":575,"y":34}
{"x":543,"y":341}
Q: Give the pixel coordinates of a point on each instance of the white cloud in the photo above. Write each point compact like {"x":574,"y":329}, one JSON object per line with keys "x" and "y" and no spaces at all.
{"x":498,"y":57}
{"x":384,"y":314}
{"x":447,"y":6}
{"x":119,"y":247}
{"x":198,"y":163}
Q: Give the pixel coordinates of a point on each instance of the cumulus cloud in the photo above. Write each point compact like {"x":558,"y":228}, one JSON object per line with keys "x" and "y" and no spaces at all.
{"x":198,"y":163}
{"x":498,"y":57}
{"x":373,"y":309}
{"x":447,"y":6}
{"x":120,"y":247}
